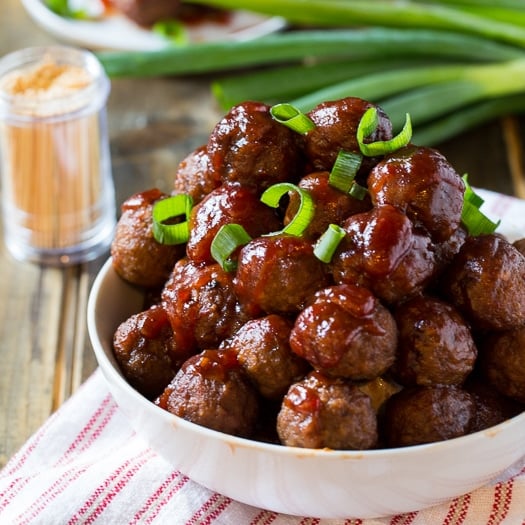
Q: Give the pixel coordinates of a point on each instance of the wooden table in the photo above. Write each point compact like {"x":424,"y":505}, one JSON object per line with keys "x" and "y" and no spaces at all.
{"x":44,"y":350}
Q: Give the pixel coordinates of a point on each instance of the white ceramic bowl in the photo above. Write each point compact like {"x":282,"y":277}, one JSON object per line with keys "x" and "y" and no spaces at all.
{"x":304,"y":482}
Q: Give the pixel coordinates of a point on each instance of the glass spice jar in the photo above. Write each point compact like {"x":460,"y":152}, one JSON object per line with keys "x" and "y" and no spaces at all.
{"x":58,"y":198}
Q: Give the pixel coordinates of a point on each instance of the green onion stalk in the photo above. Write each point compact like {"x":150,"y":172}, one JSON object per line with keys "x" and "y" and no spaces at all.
{"x":404,"y":14}
{"x":451,"y":64}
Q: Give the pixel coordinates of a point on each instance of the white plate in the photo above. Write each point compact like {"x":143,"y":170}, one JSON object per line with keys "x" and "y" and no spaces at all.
{"x":119,"y":33}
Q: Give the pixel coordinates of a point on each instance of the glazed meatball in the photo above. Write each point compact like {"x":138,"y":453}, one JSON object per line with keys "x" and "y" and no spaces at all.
{"x":193,"y":176}
{"x":427,"y":414}
{"x":346,"y":332}
{"x":383,"y":252}
{"x":231,"y":203}
{"x":278,"y":274}
{"x":201,"y":305}
{"x":263,"y":350}
{"x":492,"y":407}
{"x":446,"y":251}
{"x":137,"y":256}
{"x":211,"y":390}
{"x":520,"y":245}
{"x":336,"y":124}
{"x":503,"y":362}
{"x":435,"y":344}
{"x":144,"y":350}
{"x":332,"y":206}
{"x":486,"y":282}
{"x":250,"y":147}
{"x":421,"y":182}
{"x":321,"y":412}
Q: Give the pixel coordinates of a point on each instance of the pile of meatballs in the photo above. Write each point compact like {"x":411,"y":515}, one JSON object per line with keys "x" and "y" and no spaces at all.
{"x":413,"y":333}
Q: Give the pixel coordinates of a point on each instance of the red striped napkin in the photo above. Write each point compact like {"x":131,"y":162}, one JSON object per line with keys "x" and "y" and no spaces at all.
{"x":86,"y":465}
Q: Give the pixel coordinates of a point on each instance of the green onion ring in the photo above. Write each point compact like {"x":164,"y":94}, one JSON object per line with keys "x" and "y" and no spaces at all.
{"x":344,"y":170}
{"x":272,"y":196}
{"x":226,"y":241}
{"x":168,"y":209}
{"x":368,"y":124}
{"x":358,"y":192}
{"x":326,"y":245}
{"x":476,"y":222}
{"x":292,"y":118}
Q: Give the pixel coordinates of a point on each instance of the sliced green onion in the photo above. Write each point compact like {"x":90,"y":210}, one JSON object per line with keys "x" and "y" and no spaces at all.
{"x":358,"y":192}
{"x":292,"y":118}
{"x":345,"y":168}
{"x":476,"y":222}
{"x":326,"y":245}
{"x":165,"y":213}
{"x":172,"y":30}
{"x":226,"y":241}
{"x":368,"y":124}
{"x":343,"y":173}
{"x":470,"y":195}
{"x":272,"y":196}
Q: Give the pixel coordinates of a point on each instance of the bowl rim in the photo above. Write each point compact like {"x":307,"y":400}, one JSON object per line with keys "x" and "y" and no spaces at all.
{"x":108,"y":367}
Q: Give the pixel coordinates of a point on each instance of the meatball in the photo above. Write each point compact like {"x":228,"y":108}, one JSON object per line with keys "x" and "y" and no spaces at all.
{"x":520,"y":245}
{"x":201,"y":305}
{"x":346,"y":332}
{"x":144,"y":349}
{"x":321,"y":412}
{"x":420,"y":182}
{"x":426,"y":414}
{"x":336,"y":124}
{"x":278,"y":274}
{"x":263,"y":350}
{"x":211,"y":390}
{"x":486,"y":282}
{"x":435,"y":344}
{"x":492,"y":407}
{"x":503,"y":362}
{"x":383,"y":252}
{"x":231,"y":203}
{"x":250,"y":147}
{"x":137,"y":256}
{"x":446,"y":251}
{"x":332,"y":206}
{"x":193,"y":176}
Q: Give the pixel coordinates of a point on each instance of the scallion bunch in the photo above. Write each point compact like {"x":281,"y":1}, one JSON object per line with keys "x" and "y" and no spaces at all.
{"x":452,"y":64}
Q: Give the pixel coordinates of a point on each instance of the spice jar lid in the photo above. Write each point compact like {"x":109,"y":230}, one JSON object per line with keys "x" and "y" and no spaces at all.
{"x":26,"y":93}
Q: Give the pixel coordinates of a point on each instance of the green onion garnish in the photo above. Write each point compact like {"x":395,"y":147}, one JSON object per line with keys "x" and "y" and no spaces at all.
{"x":292,"y":118}
{"x":172,"y":30}
{"x":226,"y":241}
{"x":344,"y":170}
{"x":301,"y":220}
{"x":326,"y":245}
{"x":472,"y":217}
{"x":165,"y":213}
{"x":368,"y":124}
{"x":358,"y":192}
{"x":343,"y":174}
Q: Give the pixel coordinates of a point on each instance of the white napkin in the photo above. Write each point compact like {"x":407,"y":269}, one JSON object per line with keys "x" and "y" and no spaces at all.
{"x":86,"y":465}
